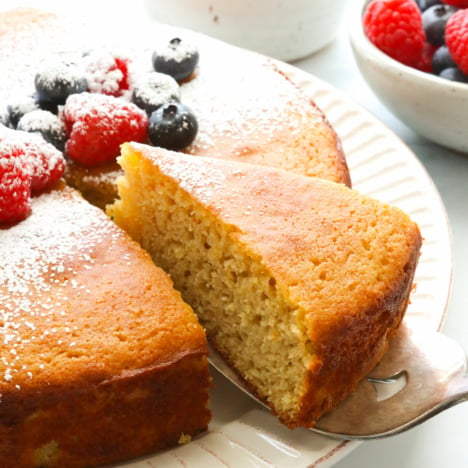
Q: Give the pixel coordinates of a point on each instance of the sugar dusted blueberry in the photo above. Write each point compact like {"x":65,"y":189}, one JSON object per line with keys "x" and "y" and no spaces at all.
{"x":48,"y":125}
{"x":173,"y":126}
{"x":153,"y":90}
{"x":20,"y":106}
{"x":4,"y":117}
{"x":177,"y":58}
{"x":59,"y":80}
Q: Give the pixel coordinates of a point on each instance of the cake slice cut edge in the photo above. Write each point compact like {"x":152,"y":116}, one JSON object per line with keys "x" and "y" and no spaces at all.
{"x":300,"y":283}
{"x":102,"y":361}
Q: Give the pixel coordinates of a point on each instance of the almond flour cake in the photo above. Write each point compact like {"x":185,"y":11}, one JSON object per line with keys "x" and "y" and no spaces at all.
{"x":246,"y":108}
{"x":299,"y":282}
{"x":101,"y":360}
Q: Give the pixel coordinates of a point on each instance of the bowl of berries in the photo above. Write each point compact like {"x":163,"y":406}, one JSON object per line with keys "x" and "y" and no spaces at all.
{"x":414,"y":56}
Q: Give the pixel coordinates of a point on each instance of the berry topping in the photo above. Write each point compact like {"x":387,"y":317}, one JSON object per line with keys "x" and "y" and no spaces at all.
{"x":457,"y":3}
{"x":456,"y":36}
{"x":45,"y":163}
{"x":46,"y":124}
{"x":425,"y":4}
{"x":153,"y":90}
{"x":15,"y":183}
{"x":173,"y":126}
{"x":178,"y":58}
{"x":106,"y":73}
{"x":425,"y":62}
{"x":434,"y":21}
{"x":454,"y":74}
{"x":442,"y":60}
{"x":19,"y":107}
{"x":98,"y":124}
{"x":4,"y":117}
{"x":58,"y":81}
{"x":395,"y":27}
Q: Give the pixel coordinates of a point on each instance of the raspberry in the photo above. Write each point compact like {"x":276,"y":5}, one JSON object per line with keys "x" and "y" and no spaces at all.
{"x":395,"y":27}
{"x":98,"y":124}
{"x":425,"y":62}
{"x":457,"y":3}
{"x":456,"y":38}
{"x":44,"y":163}
{"x":15,"y":184}
{"x":106,"y":73}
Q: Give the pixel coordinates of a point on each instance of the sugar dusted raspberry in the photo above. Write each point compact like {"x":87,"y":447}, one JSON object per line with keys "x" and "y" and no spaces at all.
{"x":456,"y":38}
{"x":106,"y":73}
{"x":98,"y":124}
{"x":15,"y":184}
{"x":395,"y":27}
{"x":44,"y":163}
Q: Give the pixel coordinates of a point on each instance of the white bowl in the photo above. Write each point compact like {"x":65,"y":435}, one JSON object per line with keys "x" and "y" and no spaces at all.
{"x":433,"y":107}
{"x":286,"y":30}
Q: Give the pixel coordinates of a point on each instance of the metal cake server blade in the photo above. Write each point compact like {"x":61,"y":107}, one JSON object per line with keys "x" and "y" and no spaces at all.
{"x":422,"y":374}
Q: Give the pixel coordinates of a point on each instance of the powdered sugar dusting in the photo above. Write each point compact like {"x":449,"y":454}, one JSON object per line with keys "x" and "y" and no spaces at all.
{"x":234,"y":95}
{"x":43,"y":161}
{"x":177,"y":50}
{"x":40,"y":261}
{"x":152,"y":90}
{"x":102,"y":73}
{"x":45,"y":123}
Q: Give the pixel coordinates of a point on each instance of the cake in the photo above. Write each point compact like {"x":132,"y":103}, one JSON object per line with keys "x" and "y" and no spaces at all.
{"x":247,"y":108}
{"x":299,"y":282}
{"x":101,"y":360}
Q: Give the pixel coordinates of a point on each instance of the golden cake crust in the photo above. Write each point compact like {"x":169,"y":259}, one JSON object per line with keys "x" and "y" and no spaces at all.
{"x":342,"y":262}
{"x":101,"y":359}
{"x":247,"y":108}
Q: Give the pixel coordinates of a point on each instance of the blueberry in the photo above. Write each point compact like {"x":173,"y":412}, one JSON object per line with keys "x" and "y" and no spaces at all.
{"x":442,"y":60}
{"x":57,"y":81}
{"x":4,"y":117}
{"x":173,"y":126}
{"x":177,"y":59}
{"x":425,"y":4}
{"x":46,"y":124}
{"x":19,"y":107}
{"x":434,"y":20}
{"x":454,"y":74}
{"x":153,"y":90}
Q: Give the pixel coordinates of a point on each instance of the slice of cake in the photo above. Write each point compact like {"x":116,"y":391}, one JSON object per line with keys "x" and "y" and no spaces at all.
{"x":300,"y":282}
{"x":246,"y":108}
{"x":101,"y":360}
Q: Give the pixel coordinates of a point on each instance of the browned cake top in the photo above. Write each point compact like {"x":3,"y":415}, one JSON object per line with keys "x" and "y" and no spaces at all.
{"x":313,"y":234}
{"x":245,"y":107}
{"x":74,"y":286}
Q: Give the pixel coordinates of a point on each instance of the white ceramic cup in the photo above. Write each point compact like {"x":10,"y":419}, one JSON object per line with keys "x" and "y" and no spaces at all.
{"x":283,"y":29}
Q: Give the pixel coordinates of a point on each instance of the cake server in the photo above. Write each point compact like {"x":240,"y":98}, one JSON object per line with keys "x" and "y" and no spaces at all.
{"x":422,"y":374}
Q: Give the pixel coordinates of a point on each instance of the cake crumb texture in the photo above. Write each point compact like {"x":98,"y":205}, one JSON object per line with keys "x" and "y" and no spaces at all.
{"x":299,"y":282}
{"x":101,"y":360}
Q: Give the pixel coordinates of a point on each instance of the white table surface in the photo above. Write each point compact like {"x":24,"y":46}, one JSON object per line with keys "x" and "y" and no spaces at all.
{"x":443,"y":441}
